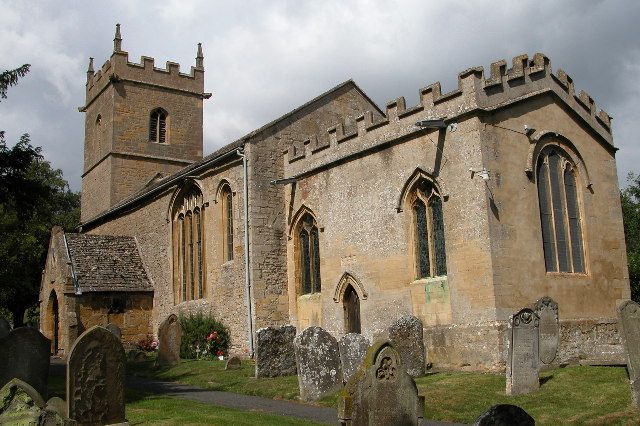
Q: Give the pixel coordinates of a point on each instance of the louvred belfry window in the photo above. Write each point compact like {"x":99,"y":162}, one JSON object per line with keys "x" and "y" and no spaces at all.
{"x":430,"y":255}
{"x":309,"y":255}
{"x":559,"y":212}
{"x":158,"y":126}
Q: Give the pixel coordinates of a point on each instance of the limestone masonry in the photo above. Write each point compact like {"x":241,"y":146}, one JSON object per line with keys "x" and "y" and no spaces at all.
{"x":461,"y":211}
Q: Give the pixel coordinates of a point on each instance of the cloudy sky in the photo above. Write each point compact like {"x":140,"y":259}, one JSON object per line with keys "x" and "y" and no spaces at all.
{"x":264,"y":58}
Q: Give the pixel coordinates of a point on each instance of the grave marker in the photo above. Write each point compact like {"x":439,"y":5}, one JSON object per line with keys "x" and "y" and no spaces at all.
{"x":523,"y":358}
{"x":547,"y":310}
{"x":504,"y":415}
{"x":169,"y":341}
{"x":629,"y":316}
{"x":24,"y":352}
{"x":233,"y":363}
{"x":5,"y":327}
{"x":115,"y":330}
{"x":406,"y":335}
{"x":353,"y":347}
{"x":318,"y":361}
{"x":275,"y":355}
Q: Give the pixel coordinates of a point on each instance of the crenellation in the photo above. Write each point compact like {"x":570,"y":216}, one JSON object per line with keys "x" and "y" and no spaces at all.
{"x":498,"y":71}
{"x":586,"y":101}
{"x":604,"y":119}
{"x":518,"y":67}
{"x":565,"y":81}
{"x":539,"y":63}
{"x":395,"y":108}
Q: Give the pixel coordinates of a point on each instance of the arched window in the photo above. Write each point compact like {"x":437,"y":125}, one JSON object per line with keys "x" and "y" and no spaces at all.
{"x":227,"y":222}
{"x":430,"y":256}
{"x":158,"y":126}
{"x":559,"y":212}
{"x":308,"y":255}
{"x":188,"y":234}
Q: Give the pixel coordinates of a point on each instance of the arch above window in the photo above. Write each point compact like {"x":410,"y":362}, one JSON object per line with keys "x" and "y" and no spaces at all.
{"x":188,"y":184}
{"x":544,"y":138}
{"x":158,"y":126}
{"x":296,"y":219}
{"x":410,"y":186}
{"x":345,"y":281}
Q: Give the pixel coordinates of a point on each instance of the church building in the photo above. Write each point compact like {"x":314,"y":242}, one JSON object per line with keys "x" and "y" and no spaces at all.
{"x":460,"y":210}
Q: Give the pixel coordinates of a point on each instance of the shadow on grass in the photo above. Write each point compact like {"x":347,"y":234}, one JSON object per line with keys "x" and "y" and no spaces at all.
{"x":545,"y":379}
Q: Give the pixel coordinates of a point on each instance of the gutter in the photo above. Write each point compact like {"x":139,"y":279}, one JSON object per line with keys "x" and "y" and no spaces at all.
{"x":247,"y":275}
{"x":74,"y":278}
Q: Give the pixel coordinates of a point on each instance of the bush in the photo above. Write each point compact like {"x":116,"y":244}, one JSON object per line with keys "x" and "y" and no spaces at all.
{"x":203,"y":336}
{"x":148,"y":344}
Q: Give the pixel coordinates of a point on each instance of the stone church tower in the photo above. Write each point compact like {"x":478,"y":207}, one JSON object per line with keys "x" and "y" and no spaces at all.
{"x":142,"y":123}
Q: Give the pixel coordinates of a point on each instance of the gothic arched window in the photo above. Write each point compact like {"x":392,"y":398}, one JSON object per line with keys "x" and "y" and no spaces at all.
{"x":158,"y":126}
{"x":559,"y":212}
{"x":188,"y":233}
{"x":308,"y":255}
{"x":430,"y":256}
{"x":226,"y":196}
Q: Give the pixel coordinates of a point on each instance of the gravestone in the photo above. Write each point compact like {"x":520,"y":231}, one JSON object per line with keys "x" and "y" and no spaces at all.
{"x":24,"y":354}
{"x":318,"y":361}
{"x":275,"y":355}
{"x":21,"y":404}
{"x":547,"y":310}
{"x":5,"y":327}
{"x":406,"y":336}
{"x":629,"y":317}
{"x":353,"y":347}
{"x":381,"y":392}
{"x":523,"y":358}
{"x":504,"y":415}
{"x":115,"y":330}
{"x":233,"y":363}
{"x":95,"y":378}
{"x":169,"y":341}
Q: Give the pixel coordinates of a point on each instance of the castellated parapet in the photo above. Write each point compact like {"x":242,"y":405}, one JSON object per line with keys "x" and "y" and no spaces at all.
{"x":525,"y":79}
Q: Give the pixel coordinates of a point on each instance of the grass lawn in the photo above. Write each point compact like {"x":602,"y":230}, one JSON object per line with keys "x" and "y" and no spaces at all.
{"x":571,"y":395}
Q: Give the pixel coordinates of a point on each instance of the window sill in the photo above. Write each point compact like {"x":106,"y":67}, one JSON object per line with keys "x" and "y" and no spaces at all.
{"x":310,"y":296}
{"x":429,"y":280}
{"x":579,"y":275}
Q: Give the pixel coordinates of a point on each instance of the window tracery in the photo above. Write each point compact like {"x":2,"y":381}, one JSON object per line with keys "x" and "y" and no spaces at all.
{"x":188,"y":232}
{"x":158,"y":126}
{"x":308,"y":255}
{"x":430,"y":254}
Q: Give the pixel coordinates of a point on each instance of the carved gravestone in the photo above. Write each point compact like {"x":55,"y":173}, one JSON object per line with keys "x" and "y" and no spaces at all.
{"x":5,"y":327}
{"x":504,"y":415}
{"x":629,"y":317}
{"x":353,"y":347}
{"x":381,"y":392}
{"x":24,"y":354}
{"x":275,"y":355}
{"x":406,"y":335}
{"x":169,"y":341}
{"x":115,"y":330}
{"x":95,"y":378}
{"x":547,"y":310}
{"x":20,"y":404}
{"x":233,"y":363}
{"x":523,"y":358}
{"x":318,"y":361}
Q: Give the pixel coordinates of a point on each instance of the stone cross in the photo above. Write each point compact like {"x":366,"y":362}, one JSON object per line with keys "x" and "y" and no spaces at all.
{"x":5,"y":327}
{"x":523,"y":359}
{"x":318,"y":361}
{"x":353,"y":347}
{"x":629,"y":317}
{"x":95,"y":378}
{"x":504,"y":414}
{"x":115,"y":330}
{"x":547,"y":309}
{"x":406,"y":335}
{"x":275,"y":355}
{"x":381,"y":392}
{"x":24,"y":354}
{"x":169,"y":341}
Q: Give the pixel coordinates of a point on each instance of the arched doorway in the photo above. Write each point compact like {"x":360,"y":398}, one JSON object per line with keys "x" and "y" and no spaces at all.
{"x":351,"y":305}
{"x":54,"y":322}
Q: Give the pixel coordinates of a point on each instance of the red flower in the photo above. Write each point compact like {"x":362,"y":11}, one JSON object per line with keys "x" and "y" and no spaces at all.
{"x":219,"y":353}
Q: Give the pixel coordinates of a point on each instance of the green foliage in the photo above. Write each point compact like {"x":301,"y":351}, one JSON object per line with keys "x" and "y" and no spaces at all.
{"x":202,"y":336}
{"x":10,"y":78}
{"x":33,"y":198}
{"x":631,"y":215}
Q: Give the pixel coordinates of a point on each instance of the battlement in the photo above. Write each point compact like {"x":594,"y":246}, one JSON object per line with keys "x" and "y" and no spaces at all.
{"x":525,"y":78}
{"x":118,"y":68}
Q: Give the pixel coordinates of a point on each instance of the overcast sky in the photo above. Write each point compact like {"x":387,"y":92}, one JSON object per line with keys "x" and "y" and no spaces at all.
{"x":264,"y":58}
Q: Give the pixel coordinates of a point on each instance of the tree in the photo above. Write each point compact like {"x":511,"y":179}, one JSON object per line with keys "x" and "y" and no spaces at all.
{"x":631,"y":216}
{"x":10,"y":78}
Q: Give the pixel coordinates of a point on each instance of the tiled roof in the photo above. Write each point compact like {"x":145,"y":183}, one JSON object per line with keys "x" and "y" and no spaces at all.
{"x":107,"y":263}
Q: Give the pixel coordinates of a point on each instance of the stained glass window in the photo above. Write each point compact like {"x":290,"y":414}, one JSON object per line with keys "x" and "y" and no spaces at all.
{"x":229,"y":221}
{"x":183,"y":270}
{"x":431,"y":260}
{"x":309,"y":249}
{"x":198,"y":224}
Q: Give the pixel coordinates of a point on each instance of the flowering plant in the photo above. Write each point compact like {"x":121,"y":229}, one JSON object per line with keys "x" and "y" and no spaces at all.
{"x":148,"y":344}
{"x":202,"y":336}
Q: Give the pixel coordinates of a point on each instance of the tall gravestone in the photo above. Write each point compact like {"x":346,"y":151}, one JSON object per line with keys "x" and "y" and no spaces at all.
{"x":629,"y":317}
{"x":169,"y":341}
{"x":24,"y":354}
{"x":504,"y":415}
{"x":5,"y":327}
{"x":275,"y":355}
{"x":406,"y":335}
{"x":353,"y":347}
{"x":381,"y":392}
{"x":95,"y":378}
{"x":523,"y":360}
{"x":547,"y":310}
{"x":318,"y":361}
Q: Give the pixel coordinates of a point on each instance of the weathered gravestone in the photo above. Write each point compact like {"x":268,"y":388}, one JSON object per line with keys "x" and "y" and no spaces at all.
{"x":115,"y":330}
{"x":318,"y":361}
{"x":233,"y":363}
{"x":169,"y":341}
{"x":629,"y":316}
{"x":275,"y":355}
{"x":523,"y":358}
{"x":353,"y":347}
{"x":381,"y":392}
{"x":406,"y":335}
{"x":95,"y":378}
{"x":547,"y":310}
{"x":504,"y":415}
{"x":5,"y":327}
{"x":21,"y":404}
{"x":24,"y":354}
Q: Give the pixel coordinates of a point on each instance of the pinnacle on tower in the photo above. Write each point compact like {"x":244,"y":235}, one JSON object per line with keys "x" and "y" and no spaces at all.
{"x":117,"y":41}
{"x":200,"y":57}
{"x":90,"y":69}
